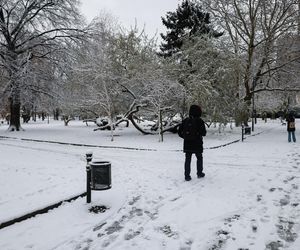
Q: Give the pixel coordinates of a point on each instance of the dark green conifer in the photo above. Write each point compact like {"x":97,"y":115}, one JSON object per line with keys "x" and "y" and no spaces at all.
{"x":189,"y":19}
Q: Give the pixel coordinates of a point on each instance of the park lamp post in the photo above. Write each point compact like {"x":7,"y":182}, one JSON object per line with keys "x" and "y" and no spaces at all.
{"x":89,"y":157}
{"x":252,"y":120}
{"x":253,"y":104}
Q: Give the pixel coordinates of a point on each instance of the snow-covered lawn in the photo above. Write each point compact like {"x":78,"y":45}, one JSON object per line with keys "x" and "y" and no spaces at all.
{"x":249,"y":198}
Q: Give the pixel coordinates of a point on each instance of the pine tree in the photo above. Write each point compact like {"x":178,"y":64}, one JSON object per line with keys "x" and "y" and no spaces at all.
{"x":188,"y":20}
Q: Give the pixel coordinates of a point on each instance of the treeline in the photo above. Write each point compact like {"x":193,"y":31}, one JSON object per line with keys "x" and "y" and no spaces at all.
{"x":218,"y":54}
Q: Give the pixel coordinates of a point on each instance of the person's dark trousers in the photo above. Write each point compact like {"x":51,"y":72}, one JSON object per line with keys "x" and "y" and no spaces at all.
{"x":187,"y":164}
{"x":291,"y":134}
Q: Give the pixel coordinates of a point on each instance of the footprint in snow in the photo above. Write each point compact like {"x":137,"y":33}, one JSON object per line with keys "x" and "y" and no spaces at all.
{"x":220,"y":241}
{"x":232,"y":219}
{"x":274,"y":245}
{"x":133,"y":233}
{"x":134,"y":200}
{"x":152,"y":216}
{"x":285,"y":230}
{"x":168,"y":231}
{"x":254,"y":226}
{"x":115,"y":227}
{"x":284,"y":201}
{"x":294,"y":186}
{"x":259,"y":197}
{"x":289,"y":179}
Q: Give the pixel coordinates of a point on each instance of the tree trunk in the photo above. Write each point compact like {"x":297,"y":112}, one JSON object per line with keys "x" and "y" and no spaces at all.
{"x":15,"y":106}
{"x":15,"y":96}
{"x":34,"y":114}
{"x":56,"y":114}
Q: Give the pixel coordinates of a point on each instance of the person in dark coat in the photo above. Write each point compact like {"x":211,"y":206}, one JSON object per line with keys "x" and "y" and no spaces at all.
{"x":193,"y":142}
{"x":291,"y":127}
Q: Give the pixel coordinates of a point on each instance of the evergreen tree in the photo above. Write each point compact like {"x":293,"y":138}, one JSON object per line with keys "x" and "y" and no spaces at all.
{"x":187,"y":21}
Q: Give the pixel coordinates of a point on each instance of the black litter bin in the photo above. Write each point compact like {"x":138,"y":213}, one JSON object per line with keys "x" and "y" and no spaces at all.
{"x":247,"y":130}
{"x":101,"y":175}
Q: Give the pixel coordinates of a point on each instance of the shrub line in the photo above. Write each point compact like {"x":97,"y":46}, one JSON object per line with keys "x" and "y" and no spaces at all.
{"x":39,"y":211}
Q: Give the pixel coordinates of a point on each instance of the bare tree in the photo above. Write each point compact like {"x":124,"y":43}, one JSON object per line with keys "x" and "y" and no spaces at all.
{"x":31,"y":30}
{"x":159,"y":95}
{"x":254,"y":29}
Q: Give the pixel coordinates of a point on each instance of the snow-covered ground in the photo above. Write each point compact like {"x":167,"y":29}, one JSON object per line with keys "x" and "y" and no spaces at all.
{"x":249,"y":198}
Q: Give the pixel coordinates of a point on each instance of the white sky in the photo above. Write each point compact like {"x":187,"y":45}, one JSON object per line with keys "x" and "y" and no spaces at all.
{"x":145,"y":12}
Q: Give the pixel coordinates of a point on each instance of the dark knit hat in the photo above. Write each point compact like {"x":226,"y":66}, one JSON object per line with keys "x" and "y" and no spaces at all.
{"x":195,"y":111}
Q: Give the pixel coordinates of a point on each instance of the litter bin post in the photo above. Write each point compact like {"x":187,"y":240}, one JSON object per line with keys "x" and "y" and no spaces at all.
{"x":89,"y":157}
{"x":242,"y":132}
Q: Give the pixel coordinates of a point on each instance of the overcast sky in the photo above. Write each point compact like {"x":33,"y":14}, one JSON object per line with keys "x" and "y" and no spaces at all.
{"x":146,"y":12}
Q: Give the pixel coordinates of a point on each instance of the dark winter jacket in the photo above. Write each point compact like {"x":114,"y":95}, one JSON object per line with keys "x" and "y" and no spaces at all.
{"x":290,"y":123}
{"x":194,"y":145}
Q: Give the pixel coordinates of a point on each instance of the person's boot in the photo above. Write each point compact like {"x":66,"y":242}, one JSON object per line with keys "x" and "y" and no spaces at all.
{"x":201,"y":175}
{"x":188,"y":178}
